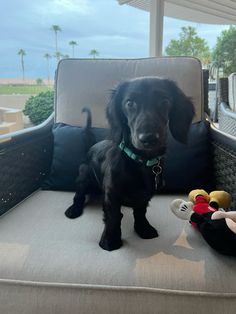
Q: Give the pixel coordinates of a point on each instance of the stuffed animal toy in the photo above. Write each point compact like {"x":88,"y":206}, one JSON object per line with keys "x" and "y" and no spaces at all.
{"x":205,"y":203}
{"x":218,"y":228}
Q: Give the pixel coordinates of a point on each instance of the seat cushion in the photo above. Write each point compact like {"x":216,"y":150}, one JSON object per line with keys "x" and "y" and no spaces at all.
{"x":50,"y":264}
{"x":232,"y":91}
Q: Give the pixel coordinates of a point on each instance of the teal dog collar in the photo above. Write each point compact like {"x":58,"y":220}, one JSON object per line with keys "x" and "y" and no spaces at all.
{"x":132,"y":155}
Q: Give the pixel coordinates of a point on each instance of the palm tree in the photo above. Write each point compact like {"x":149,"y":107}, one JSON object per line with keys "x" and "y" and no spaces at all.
{"x":56,"y":29}
{"x":94,"y":53}
{"x":22,"y":53}
{"x":48,"y":56}
{"x":58,"y":55}
{"x":73,"y":43}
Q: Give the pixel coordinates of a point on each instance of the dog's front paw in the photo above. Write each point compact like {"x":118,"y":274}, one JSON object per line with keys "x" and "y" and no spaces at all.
{"x":109,"y":243}
{"x":73,"y":212}
{"x":146,"y":231}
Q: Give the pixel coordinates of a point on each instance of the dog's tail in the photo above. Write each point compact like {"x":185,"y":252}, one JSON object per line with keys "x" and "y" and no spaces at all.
{"x":89,"y":118}
{"x":90,"y":137}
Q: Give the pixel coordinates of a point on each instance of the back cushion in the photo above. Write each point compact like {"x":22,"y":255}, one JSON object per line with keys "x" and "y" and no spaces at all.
{"x":89,"y":82}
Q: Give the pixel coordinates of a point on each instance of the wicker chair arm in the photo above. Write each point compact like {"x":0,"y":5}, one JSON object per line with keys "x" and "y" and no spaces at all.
{"x":25,"y":159}
{"x":223,"y":90}
{"x":205,"y":87}
{"x":224,"y":162}
{"x":227,"y":119}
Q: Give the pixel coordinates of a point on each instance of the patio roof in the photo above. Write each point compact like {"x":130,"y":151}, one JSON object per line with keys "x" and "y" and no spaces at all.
{"x":199,"y":11}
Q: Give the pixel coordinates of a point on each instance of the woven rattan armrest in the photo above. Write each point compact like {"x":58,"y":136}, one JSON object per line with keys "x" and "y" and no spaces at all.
{"x":25,"y":159}
{"x":224,"y":162}
{"x":227,"y":119}
{"x":223,"y":90}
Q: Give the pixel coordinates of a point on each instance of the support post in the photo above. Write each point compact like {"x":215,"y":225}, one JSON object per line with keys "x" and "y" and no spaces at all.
{"x":156,"y":27}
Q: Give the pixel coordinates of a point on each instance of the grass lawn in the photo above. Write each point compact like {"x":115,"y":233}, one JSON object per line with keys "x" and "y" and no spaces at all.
{"x":23,"y":89}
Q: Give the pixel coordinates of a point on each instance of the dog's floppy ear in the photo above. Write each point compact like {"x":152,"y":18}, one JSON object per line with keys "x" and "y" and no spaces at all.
{"x":181,"y":113}
{"x":114,"y":113}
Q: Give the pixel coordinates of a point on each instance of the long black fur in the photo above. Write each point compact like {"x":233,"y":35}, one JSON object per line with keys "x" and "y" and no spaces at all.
{"x":139,"y":113}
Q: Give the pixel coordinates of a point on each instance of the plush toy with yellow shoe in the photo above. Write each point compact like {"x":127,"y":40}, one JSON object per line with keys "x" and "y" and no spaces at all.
{"x":217,"y":227}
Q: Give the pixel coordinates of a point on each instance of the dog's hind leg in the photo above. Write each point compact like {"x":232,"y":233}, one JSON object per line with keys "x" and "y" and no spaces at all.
{"x":141,"y":224}
{"x":83,"y":182}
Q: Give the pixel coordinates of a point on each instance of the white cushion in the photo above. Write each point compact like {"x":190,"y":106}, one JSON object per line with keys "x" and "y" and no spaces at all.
{"x":89,"y":83}
{"x":232,"y":91}
{"x":52,"y":265}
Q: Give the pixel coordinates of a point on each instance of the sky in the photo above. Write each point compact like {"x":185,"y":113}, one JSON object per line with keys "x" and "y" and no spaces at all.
{"x":114,"y":31}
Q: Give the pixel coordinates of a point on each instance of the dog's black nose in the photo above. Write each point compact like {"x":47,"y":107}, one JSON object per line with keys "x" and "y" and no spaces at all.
{"x":148,"y":139}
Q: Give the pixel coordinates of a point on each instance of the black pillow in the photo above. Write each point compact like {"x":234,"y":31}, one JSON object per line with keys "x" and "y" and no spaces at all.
{"x":69,"y":152}
{"x":186,"y":167}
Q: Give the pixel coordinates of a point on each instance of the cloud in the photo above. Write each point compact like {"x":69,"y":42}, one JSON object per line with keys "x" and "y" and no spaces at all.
{"x":62,"y":7}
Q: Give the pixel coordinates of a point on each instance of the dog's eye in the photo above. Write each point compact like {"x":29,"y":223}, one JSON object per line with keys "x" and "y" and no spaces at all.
{"x":165,"y":102}
{"x":130,"y":104}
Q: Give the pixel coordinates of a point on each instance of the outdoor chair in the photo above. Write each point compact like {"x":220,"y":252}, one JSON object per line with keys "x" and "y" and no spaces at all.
{"x":50,"y":264}
{"x":227,"y":104}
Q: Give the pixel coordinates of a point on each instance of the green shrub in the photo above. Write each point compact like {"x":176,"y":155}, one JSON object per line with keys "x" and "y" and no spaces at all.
{"x":39,"y":81}
{"x":39,"y":107}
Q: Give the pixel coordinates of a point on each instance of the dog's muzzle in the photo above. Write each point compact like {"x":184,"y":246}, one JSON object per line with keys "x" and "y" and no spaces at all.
{"x":148,"y":140}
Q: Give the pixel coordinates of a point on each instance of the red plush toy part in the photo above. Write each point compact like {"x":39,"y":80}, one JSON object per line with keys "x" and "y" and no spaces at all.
{"x":201,"y":205}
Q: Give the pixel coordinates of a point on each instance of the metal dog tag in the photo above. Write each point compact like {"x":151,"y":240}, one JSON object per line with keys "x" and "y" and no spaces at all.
{"x":157,"y":170}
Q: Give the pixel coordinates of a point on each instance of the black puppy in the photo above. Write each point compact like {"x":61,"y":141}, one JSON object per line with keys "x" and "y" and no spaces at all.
{"x":126,"y":168}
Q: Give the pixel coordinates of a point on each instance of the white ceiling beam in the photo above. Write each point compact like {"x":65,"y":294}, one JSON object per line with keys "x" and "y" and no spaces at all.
{"x":156,"y":28}
{"x":199,"y":11}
